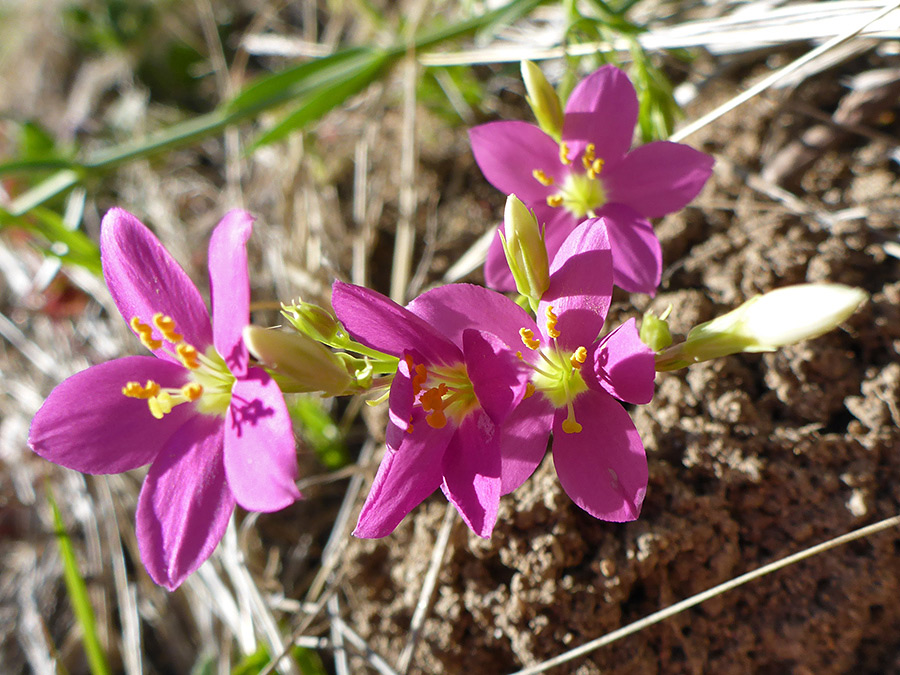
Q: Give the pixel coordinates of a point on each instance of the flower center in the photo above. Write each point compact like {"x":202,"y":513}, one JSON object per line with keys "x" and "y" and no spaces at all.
{"x":557,"y":373}
{"x":443,"y":392}
{"x":582,"y":191}
{"x":209,"y":379}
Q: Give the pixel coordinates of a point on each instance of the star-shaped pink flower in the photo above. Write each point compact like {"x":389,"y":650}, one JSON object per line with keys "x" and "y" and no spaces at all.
{"x":214,"y":429}
{"x":592,"y":173}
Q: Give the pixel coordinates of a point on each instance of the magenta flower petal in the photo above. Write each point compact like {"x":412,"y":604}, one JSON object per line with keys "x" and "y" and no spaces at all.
{"x":471,"y":468}
{"x":144,"y":279}
{"x":658,"y":178}
{"x":603,"y":468}
{"x":382,"y":324}
{"x":260,"y":457}
{"x":497,"y":376}
{"x":185,"y":503}
{"x":89,"y":425}
{"x":524,"y":441}
{"x":624,"y":366}
{"x":602,"y":110}
{"x":400,"y":407}
{"x":230,"y":288}
{"x":405,"y":478}
{"x":581,"y":281}
{"x":454,"y":308}
{"x":636,"y":251}
{"x":508,"y":152}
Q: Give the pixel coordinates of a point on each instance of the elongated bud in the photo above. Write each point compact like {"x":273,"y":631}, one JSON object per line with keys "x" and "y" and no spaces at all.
{"x":766,"y":322}
{"x":312,"y":320}
{"x":306,"y":364}
{"x":655,"y":330}
{"x":543,"y":100}
{"x":526,"y":252}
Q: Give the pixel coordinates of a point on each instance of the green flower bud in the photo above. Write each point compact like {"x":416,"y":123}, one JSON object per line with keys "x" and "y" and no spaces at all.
{"x":543,"y":100}
{"x":655,"y":330}
{"x":312,"y":320}
{"x":526,"y":252}
{"x":303,"y":364}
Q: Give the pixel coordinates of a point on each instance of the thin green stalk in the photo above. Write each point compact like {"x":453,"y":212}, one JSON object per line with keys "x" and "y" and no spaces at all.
{"x":78,"y":595}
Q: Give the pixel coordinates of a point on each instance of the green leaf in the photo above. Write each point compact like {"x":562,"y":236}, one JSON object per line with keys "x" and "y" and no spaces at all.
{"x":327,"y":97}
{"x":55,"y":239}
{"x":299,"y":80}
{"x":78,"y":595}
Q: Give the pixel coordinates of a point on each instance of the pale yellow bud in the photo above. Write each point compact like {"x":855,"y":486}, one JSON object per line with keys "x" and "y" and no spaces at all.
{"x":526,"y":252}
{"x":307,"y":365}
{"x":543,"y":100}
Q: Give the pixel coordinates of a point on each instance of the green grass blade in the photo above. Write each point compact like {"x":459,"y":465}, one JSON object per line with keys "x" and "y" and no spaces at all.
{"x":55,"y":239}
{"x":328,"y":96}
{"x":299,"y":80}
{"x":78,"y":595}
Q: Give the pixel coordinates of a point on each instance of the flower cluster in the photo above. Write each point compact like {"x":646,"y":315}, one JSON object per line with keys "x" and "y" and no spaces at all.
{"x":478,"y":387}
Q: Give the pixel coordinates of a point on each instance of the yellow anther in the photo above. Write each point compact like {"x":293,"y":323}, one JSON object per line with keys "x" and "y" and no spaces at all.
{"x":135,"y":390}
{"x":528,"y":340}
{"x":564,"y":154}
{"x":578,"y":357}
{"x":588,"y":155}
{"x":551,"y":322}
{"x":529,"y":391}
{"x":166,"y":326}
{"x":192,"y":391}
{"x":555,"y":200}
{"x":187,"y":354}
{"x":569,"y":425}
{"x":419,"y":378}
{"x":519,"y":356}
{"x":145,"y":333}
{"x":595,"y":168}
{"x":160,"y":405}
{"x":542,"y":177}
{"x":437,"y":419}
{"x":433,"y":403}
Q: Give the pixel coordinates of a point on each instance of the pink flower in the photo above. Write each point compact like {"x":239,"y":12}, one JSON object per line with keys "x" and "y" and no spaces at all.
{"x":214,"y":430}
{"x":454,"y":387}
{"x":574,"y":383}
{"x":592,"y":173}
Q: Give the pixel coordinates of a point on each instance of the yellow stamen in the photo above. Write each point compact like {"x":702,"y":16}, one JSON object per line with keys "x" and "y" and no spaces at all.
{"x":578,"y":357}
{"x":519,"y":356}
{"x":529,"y":391}
{"x":551,"y":322}
{"x":160,"y":405}
{"x":588,"y":155}
{"x":166,"y":325}
{"x":419,"y":379}
{"x":145,"y":333}
{"x":528,"y":340}
{"x":135,"y":390}
{"x":555,"y":201}
{"x":433,"y":403}
{"x":564,"y":154}
{"x":569,"y":425}
{"x":192,"y":391}
{"x":542,"y":177}
{"x":595,"y":168}
{"x":187,"y":354}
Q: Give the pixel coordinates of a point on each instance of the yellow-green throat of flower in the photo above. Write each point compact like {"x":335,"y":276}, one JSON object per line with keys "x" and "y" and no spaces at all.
{"x":210,"y":380}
